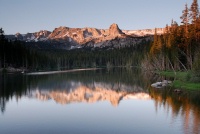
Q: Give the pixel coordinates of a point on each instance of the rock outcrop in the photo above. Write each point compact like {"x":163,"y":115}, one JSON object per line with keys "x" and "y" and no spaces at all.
{"x":114,"y":30}
{"x":113,"y":37}
{"x":33,"y":37}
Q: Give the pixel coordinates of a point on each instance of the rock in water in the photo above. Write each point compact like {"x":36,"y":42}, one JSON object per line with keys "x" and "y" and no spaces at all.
{"x":162,"y":84}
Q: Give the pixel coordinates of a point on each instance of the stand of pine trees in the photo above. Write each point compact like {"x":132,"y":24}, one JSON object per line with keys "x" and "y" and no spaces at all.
{"x":178,"y":48}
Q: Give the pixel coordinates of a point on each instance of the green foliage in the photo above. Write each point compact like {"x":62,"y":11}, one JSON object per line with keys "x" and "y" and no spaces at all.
{"x":196,"y":69}
{"x":182,"y":80}
{"x":186,"y":85}
{"x":178,"y":75}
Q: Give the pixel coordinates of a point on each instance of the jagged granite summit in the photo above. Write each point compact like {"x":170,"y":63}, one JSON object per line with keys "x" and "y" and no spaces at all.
{"x":73,"y":38}
{"x":114,"y":30}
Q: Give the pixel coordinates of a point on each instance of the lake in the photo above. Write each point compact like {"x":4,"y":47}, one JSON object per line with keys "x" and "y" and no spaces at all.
{"x":115,"y":101}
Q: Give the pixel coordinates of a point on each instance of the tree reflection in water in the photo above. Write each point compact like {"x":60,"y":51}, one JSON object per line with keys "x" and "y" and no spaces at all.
{"x":102,"y":85}
{"x":185,"y":104}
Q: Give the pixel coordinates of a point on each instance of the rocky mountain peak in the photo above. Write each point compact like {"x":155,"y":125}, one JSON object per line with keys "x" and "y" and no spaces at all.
{"x":72,"y":38}
{"x":114,"y":30}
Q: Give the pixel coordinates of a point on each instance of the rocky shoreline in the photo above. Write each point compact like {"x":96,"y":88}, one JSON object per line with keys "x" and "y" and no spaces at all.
{"x":12,"y":70}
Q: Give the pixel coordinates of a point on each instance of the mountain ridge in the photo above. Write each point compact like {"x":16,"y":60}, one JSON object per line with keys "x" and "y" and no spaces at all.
{"x":74,"y":38}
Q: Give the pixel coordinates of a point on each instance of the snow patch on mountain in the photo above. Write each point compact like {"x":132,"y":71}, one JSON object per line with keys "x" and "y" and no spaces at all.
{"x":144,"y":32}
{"x":75,"y":38}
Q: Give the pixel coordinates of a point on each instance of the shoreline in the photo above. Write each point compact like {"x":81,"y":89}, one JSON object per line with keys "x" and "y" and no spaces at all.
{"x":11,"y":70}
{"x":182,"y":80}
{"x":57,"y":72}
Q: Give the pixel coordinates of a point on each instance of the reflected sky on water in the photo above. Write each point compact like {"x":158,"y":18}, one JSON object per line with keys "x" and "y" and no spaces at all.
{"x":100,"y":101}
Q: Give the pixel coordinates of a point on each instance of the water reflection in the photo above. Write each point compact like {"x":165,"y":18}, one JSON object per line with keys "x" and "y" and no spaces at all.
{"x":85,"y":86}
{"x":113,"y":86}
{"x":186,"y":105}
{"x":11,"y":85}
{"x":82,"y":93}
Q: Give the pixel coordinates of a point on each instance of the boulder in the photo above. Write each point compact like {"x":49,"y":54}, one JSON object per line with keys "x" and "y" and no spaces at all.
{"x":162,"y":84}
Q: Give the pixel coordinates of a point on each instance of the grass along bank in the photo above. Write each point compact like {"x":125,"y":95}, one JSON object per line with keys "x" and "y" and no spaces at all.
{"x":182,"y":80}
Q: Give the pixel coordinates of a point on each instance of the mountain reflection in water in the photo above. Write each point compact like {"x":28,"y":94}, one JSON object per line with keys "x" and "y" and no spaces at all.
{"x":82,"y":93}
{"x":86,"y":86}
{"x":115,"y":86}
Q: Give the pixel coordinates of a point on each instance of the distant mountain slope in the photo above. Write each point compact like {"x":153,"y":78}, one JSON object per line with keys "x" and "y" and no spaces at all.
{"x":73,"y":38}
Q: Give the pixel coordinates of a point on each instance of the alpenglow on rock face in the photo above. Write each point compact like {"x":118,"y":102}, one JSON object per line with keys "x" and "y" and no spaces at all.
{"x":73,"y":38}
{"x":114,"y":30}
{"x":91,"y":93}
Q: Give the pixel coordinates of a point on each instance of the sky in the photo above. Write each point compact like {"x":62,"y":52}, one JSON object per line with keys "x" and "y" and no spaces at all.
{"x":25,"y":16}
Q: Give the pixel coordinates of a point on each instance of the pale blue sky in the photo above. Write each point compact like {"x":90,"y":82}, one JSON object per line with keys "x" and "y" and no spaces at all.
{"x":33,"y":15}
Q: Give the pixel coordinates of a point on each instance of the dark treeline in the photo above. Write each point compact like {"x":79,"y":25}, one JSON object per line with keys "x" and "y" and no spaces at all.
{"x":11,"y":53}
{"x":178,"y":48}
{"x":19,"y":54}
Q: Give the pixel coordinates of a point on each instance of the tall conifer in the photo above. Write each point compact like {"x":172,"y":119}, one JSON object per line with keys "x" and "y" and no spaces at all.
{"x":194,"y":12}
{"x":185,"y":19}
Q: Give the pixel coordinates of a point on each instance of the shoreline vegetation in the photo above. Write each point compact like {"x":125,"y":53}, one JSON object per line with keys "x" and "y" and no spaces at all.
{"x":182,"y":80}
{"x":178,"y":50}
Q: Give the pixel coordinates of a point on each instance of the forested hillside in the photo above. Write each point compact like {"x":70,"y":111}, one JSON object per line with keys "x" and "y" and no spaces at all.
{"x":178,"y":48}
{"x":23,"y":55}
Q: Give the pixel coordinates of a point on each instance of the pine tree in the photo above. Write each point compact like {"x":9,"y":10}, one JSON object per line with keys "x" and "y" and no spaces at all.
{"x":194,"y":12}
{"x":2,"y":36}
{"x":2,"y":48}
{"x":185,"y":20}
{"x":155,"y":47}
{"x":186,"y":38}
{"x":194,"y":15}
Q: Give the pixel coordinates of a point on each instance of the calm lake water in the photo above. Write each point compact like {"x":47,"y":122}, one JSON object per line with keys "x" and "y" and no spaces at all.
{"x":116,"y":101}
